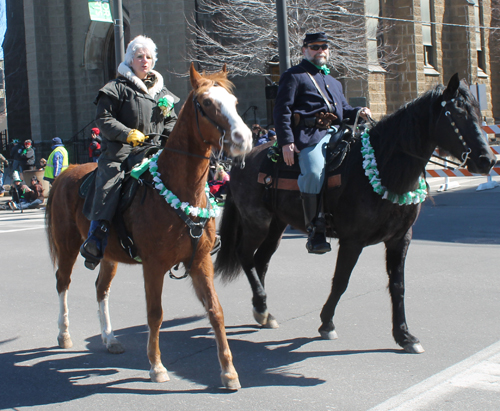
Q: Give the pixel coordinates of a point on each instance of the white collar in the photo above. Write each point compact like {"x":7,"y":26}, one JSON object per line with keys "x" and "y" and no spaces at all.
{"x":127,"y":72}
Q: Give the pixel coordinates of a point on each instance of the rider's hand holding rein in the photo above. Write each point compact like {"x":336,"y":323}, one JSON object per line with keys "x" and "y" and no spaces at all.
{"x":365,"y":113}
{"x":289,"y":151}
{"x":135,"y":137}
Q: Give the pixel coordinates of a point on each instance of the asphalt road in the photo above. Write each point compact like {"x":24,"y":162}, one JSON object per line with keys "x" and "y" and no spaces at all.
{"x":452,"y":305}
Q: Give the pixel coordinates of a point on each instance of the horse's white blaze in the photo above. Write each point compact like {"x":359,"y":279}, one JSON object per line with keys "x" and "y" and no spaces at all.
{"x":241,"y":136}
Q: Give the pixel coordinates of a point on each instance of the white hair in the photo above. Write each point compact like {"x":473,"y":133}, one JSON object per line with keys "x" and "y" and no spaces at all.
{"x":140,"y":42}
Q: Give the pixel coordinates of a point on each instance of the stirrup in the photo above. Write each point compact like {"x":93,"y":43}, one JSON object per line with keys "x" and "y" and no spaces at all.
{"x":316,"y":242}
{"x":92,"y":260}
{"x":91,"y":264}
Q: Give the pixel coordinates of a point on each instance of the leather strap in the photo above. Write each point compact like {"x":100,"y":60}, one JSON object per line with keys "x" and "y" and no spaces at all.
{"x":330,"y":107}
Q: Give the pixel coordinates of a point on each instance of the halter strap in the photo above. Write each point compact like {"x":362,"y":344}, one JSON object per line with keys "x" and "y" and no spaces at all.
{"x":199,"y":109}
{"x":449,"y":116}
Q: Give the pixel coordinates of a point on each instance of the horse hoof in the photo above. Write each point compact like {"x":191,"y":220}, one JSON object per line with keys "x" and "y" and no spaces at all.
{"x":271,"y":322}
{"x":329,"y":335}
{"x":64,"y":341}
{"x":414,"y":348}
{"x":115,"y":348}
{"x":159,"y":375}
{"x":265,"y":319}
{"x":230,"y":382}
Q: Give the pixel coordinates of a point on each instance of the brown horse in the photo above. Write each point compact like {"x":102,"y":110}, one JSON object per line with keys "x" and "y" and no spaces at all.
{"x":207,"y":119}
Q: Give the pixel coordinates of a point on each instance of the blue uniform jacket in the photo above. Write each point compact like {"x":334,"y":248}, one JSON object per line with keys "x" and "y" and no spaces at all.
{"x":298,"y":94}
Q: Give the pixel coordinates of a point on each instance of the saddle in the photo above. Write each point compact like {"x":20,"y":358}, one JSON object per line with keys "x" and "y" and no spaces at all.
{"x":274,"y":173}
{"x":127,"y":194}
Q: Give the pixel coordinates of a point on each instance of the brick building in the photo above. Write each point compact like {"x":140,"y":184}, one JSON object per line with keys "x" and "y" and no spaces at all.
{"x":56,"y":58}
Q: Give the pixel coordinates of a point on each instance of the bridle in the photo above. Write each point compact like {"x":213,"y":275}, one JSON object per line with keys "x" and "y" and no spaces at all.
{"x":465,"y":153}
{"x":449,"y":116}
{"x":199,"y":110}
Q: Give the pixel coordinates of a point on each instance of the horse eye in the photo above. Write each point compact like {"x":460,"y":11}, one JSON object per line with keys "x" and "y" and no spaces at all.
{"x":207,"y":103}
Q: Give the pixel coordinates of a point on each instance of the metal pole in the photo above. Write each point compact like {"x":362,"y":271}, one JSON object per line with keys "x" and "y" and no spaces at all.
{"x":284,"y":51}
{"x":119,"y":39}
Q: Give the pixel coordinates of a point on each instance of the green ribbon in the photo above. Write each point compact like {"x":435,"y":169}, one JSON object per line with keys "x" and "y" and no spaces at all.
{"x":324,"y":68}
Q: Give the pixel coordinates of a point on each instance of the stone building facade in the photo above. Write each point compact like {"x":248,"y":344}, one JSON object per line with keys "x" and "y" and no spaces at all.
{"x":56,"y":59}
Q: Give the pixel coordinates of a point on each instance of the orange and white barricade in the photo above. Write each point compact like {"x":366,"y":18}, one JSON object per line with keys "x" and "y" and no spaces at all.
{"x":462,"y":172}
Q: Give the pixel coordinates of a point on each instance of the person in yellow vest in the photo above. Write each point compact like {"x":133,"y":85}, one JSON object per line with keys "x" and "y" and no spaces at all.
{"x":57,"y":162}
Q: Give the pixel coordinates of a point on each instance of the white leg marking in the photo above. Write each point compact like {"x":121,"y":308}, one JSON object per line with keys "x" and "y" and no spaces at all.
{"x":63,"y":339}
{"x":108,"y":337}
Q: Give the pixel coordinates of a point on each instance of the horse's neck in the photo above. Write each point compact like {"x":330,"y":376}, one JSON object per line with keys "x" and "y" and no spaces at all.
{"x":182,"y":170}
{"x":402,"y":149}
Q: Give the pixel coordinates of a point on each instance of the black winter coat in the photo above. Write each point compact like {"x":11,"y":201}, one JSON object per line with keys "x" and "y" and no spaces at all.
{"x":121,"y":107}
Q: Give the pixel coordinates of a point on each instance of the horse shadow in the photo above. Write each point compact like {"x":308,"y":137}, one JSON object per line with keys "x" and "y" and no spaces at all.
{"x":50,"y":375}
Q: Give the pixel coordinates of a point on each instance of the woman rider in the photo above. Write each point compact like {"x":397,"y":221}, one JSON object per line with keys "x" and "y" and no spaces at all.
{"x":129,"y":108}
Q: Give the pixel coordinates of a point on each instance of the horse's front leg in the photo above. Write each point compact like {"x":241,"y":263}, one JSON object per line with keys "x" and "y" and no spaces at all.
{"x":396,"y":251}
{"x":347,"y":258}
{"x":66,"y":259}
{"x":107,"y":272}
{"x":153,"y":284}
{"x":202,"y":275}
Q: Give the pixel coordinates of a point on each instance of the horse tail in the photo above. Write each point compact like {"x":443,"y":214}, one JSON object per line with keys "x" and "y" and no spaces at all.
{"x":48,"y":227}
{"x":227,"y":264}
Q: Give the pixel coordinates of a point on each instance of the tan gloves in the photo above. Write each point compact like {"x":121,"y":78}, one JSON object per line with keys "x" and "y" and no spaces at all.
{"x":135,"y":137}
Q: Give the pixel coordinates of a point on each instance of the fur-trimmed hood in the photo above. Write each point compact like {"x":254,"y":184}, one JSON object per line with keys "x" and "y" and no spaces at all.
{"x":128,"y":73}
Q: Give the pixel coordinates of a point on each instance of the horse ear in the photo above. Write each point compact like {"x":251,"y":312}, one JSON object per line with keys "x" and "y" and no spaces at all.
{"x":453,"y":85}
{"x":224,"y":69}
{"x":194,"y":76}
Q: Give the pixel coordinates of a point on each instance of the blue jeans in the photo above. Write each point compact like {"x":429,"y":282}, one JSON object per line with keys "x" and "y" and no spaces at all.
{"x":24,"y":205}
{"x":2,"y":190}
{"x":312,"y":166}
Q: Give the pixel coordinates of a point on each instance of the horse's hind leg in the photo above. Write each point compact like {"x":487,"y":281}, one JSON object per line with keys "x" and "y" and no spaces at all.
{"x":347,"y":258}
{"x":395,"y":255}
{"x":202,"y":276}
{"x":107,"y":272}
{"x":261,"y":260}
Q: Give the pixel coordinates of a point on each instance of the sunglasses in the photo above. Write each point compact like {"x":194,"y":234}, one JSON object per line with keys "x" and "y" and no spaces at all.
{"x":316,"y":47}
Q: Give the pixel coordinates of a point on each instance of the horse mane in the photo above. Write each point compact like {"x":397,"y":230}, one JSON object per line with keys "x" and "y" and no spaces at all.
{"x":210,"y":79}
{"x":410,"y":130}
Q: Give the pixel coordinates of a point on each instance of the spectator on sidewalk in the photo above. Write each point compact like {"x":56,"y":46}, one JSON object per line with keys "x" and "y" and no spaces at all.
{"x":95,"y":145}
{"x":27,"y":156}
{"x":3,"y":163}
{"x":24,"y":197}
{"x":57,"y":162}
{"x":15,"y":155}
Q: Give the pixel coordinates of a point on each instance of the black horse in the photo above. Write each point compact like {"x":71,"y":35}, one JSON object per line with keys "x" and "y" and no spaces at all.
{"x":403,"y":142}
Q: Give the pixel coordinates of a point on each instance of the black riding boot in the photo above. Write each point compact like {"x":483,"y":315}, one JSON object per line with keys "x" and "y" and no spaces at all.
{"x":316,"y":225}
{"x":93,"y":247}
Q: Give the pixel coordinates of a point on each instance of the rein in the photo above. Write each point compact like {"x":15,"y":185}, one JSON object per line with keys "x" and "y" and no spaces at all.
{"x":187,"y":153}
{"x":196,"y":229}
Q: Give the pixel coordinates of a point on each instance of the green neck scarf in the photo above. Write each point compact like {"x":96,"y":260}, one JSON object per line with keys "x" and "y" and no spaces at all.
{"x":325,"y":69}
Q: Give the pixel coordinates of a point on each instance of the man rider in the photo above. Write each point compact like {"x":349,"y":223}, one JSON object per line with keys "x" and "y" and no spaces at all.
{"x":310,"y":105}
